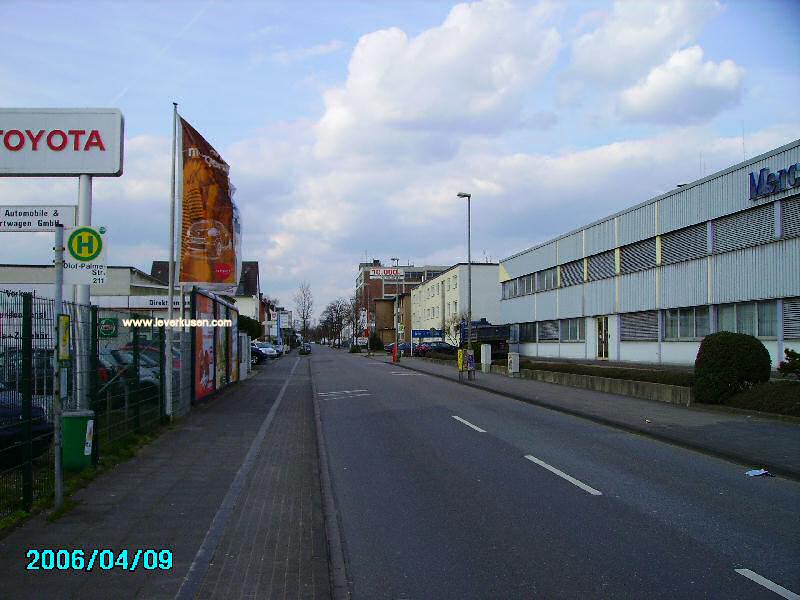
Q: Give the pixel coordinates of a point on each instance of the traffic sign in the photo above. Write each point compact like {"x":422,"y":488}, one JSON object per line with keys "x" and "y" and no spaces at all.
{"x":85,"y":256}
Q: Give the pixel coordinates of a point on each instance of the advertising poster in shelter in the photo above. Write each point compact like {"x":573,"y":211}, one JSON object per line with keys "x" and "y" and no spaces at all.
{"x":204,"y":383}
{"x":210,"y":238}
{"x":222,"y":352}
{"x":233,"y":346}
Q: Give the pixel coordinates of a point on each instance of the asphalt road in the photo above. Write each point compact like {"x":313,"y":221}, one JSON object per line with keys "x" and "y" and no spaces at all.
{"x":449,"y":492}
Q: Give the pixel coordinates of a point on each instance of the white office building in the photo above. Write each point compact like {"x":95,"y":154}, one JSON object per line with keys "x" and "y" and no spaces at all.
{"x":647,"y":284}
{"x":441,"y":302}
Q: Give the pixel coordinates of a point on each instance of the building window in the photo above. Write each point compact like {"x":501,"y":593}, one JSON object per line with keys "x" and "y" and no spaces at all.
{"x":528,"y":284}
{"x":640,"y":326}
{"x":753,"y":318}
{"x":548,"y":331}
{"x":684,"y":244}
{"x":527,"y":332}
{"x":602,"y":266}
{"x":448,"y":285}
{"x":455,"y":282}
{"x":743,"y":229}
{"x":686,"y":323}
{"x":455,"y":307}
{"x":572,"y":273}
{"x":547,"y":280}
{"x":638,"y":257}
{"x":573,"y":330}
{"x":791,"y":318}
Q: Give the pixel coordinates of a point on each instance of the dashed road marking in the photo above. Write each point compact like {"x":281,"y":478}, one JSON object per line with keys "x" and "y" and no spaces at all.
{"x":468,"y":424}
{"x":341,"y":392}
{"x":572,"y":480}
{"x":770,"y":585}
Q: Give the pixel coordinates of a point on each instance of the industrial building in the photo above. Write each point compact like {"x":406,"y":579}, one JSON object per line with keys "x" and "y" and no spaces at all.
{"x":648,"y":283}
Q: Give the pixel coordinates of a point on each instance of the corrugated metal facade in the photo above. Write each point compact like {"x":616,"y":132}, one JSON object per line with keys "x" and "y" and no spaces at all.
{"x":684,"y":284}
{"x":756,"y":254}
{"x":599,"y":297}
{"x":638,"y":224}
{"x":547,"y":305}
{"x":570,"y":302}
{"x":570,"y":247}
{"x":600,"y":237}
{"x":768,"y":271}
{"x":637,"y":291}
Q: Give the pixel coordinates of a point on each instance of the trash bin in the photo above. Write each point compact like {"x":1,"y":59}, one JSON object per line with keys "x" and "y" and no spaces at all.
{"x":77,"y":437}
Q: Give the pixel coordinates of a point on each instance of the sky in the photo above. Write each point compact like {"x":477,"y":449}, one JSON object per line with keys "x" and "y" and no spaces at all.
{"x":350,"y":126}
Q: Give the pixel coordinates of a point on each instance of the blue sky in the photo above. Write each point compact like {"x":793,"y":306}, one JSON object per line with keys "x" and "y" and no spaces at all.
{"x":350,"y":126}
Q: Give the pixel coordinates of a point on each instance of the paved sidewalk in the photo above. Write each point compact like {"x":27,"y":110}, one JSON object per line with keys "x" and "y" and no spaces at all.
{"x":753,"y":440}
{"x":271,"y":546}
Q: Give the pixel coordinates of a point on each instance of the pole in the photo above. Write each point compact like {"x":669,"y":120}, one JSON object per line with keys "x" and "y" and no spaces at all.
{"x":470,"y":374}
{"x":57,"y":309}
{"x":167,"y":358}
{"x":83,"y":298}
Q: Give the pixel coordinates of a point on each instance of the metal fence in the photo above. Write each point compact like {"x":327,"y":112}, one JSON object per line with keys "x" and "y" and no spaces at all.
{"x":118,"y":371}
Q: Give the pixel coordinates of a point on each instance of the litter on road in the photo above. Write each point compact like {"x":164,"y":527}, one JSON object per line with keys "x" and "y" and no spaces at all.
{"x":759,"y":473}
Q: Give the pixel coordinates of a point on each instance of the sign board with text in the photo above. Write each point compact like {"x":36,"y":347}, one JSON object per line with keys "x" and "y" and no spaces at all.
{"x":61,"y":142}
{"x":35,"y":218}
{"x":84,"y":255}
{"x":386,"y":273}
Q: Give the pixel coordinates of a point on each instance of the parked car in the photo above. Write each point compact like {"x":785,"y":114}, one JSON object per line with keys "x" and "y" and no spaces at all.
{"x":257,"y":355}
{"x":306,"y":347}
{"x":12,"y":432}
{"x":42,"y":365}
{"x":268,"y":349}
{"x":440,"y":347}
{"x":404,"y":347}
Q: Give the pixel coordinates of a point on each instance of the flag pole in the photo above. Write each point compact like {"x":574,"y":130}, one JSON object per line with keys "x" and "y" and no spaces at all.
{"x":171,"y":271}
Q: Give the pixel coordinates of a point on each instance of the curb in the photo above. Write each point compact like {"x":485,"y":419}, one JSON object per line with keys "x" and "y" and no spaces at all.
{"x":337,"y":568}
{"x":747,"y":461}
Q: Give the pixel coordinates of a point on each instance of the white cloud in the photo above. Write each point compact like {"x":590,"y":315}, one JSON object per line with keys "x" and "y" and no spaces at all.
{"x":635,"y":36}
{"x":288,"y":57}
{"x":410,"y":96}
{"x":683,"y":90}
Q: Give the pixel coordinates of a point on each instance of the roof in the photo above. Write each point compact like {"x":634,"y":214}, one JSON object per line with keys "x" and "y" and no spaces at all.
{"x":160,"y":270}
{"x":248,"y":282}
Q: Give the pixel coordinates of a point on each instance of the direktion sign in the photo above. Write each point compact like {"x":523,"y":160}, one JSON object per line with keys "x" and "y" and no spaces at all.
{"x":61,"y":142}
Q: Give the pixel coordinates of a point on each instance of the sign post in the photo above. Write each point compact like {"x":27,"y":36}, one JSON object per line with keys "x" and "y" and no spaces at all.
{"x":57,"y":308}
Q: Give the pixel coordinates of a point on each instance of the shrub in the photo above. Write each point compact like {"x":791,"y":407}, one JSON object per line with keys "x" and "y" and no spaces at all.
{"x":355,"y":349}
{"x":791,"y":366}
{"x":375,"y":342}
{"x":668,"y":377}
{"x":781,"y":397}
{"x":728,"y":363}
{"x":441,"y":356}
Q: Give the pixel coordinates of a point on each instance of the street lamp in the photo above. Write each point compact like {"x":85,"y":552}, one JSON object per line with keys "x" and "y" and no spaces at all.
{"x":470,"y":374}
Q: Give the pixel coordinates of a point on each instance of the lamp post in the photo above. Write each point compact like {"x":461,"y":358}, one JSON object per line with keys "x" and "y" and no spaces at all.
{"x":470,"y":374}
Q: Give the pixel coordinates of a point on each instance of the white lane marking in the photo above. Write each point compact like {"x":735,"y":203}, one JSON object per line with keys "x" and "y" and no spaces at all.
{"x":341,"y":392}
{"x":403,"y":373}
{"x":468,"y":424}
{"x":770,"y":585}
{"x":572,"y":480}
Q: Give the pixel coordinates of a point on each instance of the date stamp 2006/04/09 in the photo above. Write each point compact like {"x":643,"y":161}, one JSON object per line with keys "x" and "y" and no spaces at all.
{"x":105,"y":559}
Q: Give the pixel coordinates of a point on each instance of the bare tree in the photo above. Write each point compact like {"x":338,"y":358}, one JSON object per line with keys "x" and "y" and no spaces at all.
{"x":452,"y":328}
{"x":304,"y":303}
{"x":354,"y":317}
{"x":333,"y":319}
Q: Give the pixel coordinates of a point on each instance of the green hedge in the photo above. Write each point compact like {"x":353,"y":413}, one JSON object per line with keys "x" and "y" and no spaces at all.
{"x":683,"y":379}
{"x":728,"y":363}
{"x":781,"y":397}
